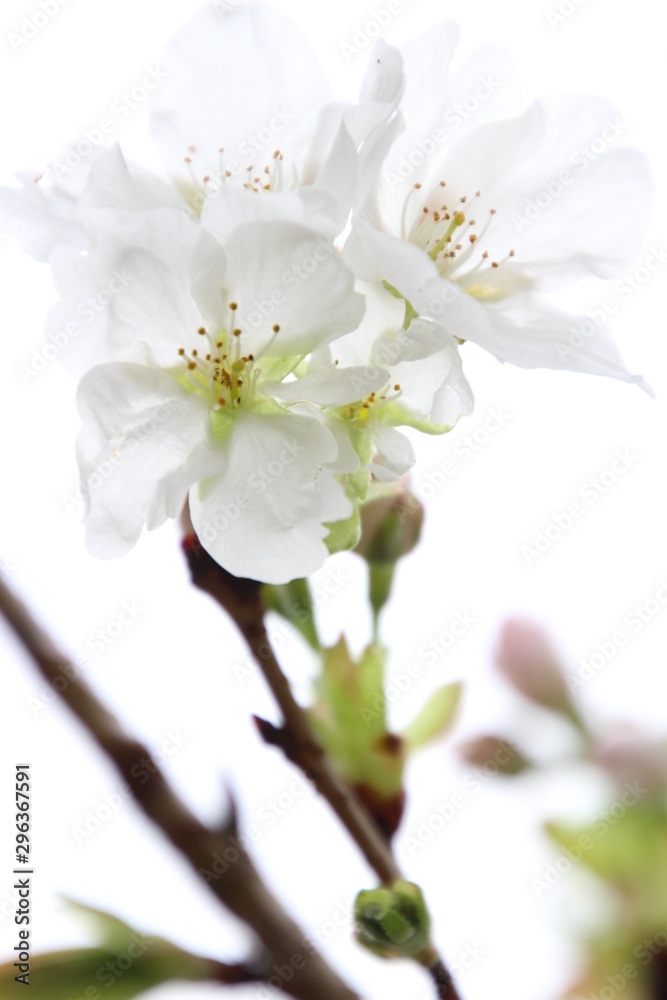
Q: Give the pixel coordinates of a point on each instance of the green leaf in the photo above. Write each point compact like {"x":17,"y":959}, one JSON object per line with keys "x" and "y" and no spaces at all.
{"x":435,"y":718}
{"x":625,"y":845}
{"x":124,"y":966}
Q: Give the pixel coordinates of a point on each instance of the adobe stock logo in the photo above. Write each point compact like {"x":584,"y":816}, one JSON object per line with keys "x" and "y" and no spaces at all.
{"x":590,"y":492}
{"x":32,"y":25}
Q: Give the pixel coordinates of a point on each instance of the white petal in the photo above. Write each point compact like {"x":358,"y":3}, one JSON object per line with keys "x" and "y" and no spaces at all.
{"x":244,"y":79}
{"x":121,"y":208}
{"x":122,"y":304}
{"x":77,"y":326}
{"x":412,"y":272}
{"x":153,"y":314}
{"x":567,"y":201}
{"x":325,"y":135}
{"x":232,"y":207}
{"x":144,"y":441}
{"x":381,"y":91}
{"x":347,"y":459}
{"x":395,"y":455}
{"x":441,"y":105}
{"x":352,"y":140}
{"x":384,"y":82}
{"x":419,"y":342}
{"x":263,"y":518}
{"x":427,"y":64}
{"x":453,"y":399}
{"x":44,"y":214}
{"x":40,"y":218}
{"x":531,"y":333}
{"x":118,"y":307}
{"x":384,"y":315}
{"x":333,"y":388}
{"x":427,"y":366}
{"x":282,"y":274}
{"x":111,"y":184}
{"x":337,"y":174}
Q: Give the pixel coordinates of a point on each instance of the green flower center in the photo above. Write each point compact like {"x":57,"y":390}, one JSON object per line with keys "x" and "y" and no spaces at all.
{"x":221,"y":372}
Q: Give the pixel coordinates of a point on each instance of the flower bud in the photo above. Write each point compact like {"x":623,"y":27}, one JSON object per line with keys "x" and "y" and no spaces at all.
{"x":393,"y":921}
{"x":527,"y":660}
{"x":494,"y":754}
{"x":390,"y":527}
{"x":628,"y":757}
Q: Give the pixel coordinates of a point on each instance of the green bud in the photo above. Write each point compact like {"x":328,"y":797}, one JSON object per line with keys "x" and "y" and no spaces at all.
{"x":390,"y":527}
{"x":393,"y":921}
{"x":349,"y":721}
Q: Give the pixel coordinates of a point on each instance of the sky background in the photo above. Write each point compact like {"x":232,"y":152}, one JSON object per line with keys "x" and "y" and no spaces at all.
{"x":177,"y":672}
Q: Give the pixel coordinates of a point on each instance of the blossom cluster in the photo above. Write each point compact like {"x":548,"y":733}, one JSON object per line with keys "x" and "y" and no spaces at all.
{"x":299,"y":282}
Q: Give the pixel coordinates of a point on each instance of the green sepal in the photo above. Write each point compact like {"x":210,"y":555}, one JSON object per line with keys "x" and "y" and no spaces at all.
{"x":434,"y":719}
{"x":362,"y":442}
{"x":410,"y":311}
{"x":344,"y":687}
{"x":350,"y":722}
{"x":410,"y":314}
{"x":393,"y":290}
{"x":293,"y":602}
{"x":357,"y":485}
{"x":395,"y":415}
{"x":343,"y":535}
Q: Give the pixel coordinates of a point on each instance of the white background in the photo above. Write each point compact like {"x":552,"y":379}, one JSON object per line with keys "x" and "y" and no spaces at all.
{"x":177,"y":668}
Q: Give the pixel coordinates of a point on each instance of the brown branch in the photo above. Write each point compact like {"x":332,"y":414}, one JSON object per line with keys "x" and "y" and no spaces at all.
{"x":442,"y":979}
{"x":217,"y":855}
{"x":241,"y":599}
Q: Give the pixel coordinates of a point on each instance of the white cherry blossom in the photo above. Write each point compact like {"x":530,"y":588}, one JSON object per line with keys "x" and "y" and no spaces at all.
{"x":398,"y":375}
{"x":183,"y":404}
{"x":474,"y":224}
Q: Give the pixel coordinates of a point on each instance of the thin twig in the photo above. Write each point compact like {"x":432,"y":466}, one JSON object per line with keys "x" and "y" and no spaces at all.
{"x":442,"y":979}
{"x":217,"y":855}
{"x":241,"y":599}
